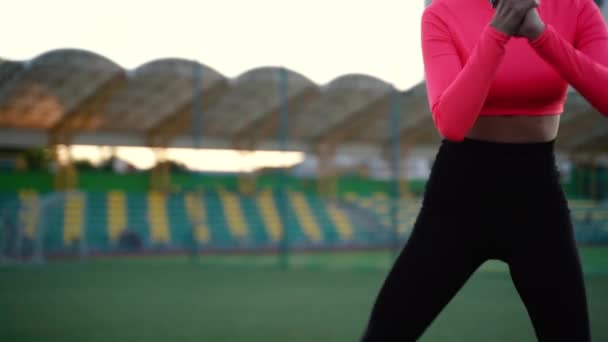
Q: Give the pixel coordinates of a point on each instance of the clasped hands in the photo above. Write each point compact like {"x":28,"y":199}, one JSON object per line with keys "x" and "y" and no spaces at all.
{"x":518,"y":18}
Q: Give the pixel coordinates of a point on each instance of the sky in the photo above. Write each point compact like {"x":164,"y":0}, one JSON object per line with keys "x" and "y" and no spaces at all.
{"x":321,"y":39}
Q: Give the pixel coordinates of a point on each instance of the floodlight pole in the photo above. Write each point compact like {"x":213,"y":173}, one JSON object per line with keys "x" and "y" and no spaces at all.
{"x":4,"y":222}
{"x":197,"y":129}
{"x":283,"y":85}
{"x":83,"y":246}
{"x":38,"y":256}
{"x":19,"y":239}
{"x":197,"y":105}
{"x":396,"y":169}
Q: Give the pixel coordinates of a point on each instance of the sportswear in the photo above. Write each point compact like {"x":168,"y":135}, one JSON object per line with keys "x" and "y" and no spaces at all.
{"x":473,"y":70}
{"x":487,"y":200}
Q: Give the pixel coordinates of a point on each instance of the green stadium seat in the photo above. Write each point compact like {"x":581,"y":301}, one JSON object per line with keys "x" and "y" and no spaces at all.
{"x":225,"y":219}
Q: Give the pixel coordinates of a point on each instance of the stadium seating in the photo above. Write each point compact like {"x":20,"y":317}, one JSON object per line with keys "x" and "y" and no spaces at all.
{"x":197,"y":216}
{"x":28,"y":216}
{"x":305,"y":217}
{"x":117,"y":214}
{"x":157,"y":217}
{"x":223,"y":219}
{"x":235,"y":218}
{"x":270,"y":216}
{"x":379,"y":205}
{"x":590,"y":220}
{"x":74,"y":218}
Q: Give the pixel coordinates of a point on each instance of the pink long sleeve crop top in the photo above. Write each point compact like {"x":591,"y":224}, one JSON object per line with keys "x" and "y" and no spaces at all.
{"x":472,"y":69}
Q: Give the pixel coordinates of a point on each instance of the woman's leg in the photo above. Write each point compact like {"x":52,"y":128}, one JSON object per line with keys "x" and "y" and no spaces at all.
{"x":439,"y":257}
{"x":546,"y":271}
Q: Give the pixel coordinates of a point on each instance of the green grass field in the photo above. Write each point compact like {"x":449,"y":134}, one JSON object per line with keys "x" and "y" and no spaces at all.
{"x":322,"y":297}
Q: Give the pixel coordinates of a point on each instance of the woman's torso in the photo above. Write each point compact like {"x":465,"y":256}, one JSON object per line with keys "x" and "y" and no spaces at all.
{"x":515,"y":129}
{"x":527,"y":94}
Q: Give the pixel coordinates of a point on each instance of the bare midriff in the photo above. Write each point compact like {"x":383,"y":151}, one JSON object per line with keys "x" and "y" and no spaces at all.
{"x":515,"y":128}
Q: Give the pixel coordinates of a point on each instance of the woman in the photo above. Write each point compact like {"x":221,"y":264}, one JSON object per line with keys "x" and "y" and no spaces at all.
{"x":497,"y":78}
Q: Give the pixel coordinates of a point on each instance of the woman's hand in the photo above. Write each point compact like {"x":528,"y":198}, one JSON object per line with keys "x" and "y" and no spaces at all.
{"x":511,"y":14}
{"x":532,"y":27}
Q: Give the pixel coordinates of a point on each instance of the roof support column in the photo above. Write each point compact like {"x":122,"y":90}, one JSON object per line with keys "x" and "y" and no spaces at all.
{"x":66,"y":175}
{"x":327,"y":177}
{"x":395,"y":162}
{"x":247,"y":180}
{"x":594,"y":179}
{"x":283,"y":188}
{"x":587,"y":180}
{"x":580,"y":178}
{"x":160,"y":175}
{"x":404,"y":188}
{"x":197,"y":105}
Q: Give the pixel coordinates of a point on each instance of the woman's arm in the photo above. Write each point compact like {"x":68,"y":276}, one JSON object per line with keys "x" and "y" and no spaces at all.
{"x":457,"y":92}
{"x":585,"y":64}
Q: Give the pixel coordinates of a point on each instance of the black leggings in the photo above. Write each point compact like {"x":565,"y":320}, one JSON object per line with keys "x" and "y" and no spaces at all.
{"x":484,"y":201}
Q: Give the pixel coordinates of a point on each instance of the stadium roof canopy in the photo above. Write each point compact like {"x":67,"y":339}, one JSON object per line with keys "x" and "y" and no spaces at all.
{"x":79,"y":97}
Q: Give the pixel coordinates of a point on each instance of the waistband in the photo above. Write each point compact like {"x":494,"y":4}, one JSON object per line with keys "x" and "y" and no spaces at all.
{"x":483,"y":146}
{"x":481,"y":160}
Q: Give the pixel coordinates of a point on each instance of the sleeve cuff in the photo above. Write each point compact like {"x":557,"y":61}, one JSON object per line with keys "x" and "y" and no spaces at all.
{"x":543,"y":36}
{"x":499,"y":36}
